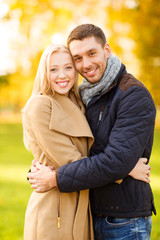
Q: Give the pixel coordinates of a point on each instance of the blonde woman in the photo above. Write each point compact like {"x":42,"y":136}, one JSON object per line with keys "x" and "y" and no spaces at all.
{"x":56,"y":131}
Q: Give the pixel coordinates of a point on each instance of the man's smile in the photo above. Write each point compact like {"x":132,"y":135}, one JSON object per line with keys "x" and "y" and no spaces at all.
{"x":91,"y":72}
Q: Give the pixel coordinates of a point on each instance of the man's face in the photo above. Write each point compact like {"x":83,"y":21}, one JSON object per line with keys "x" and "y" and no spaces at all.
{"x":90,"y":58}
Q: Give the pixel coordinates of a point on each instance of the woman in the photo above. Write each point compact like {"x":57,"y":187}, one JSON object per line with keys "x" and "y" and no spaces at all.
{"x":50,"y":120}
{"x":56,"y":131}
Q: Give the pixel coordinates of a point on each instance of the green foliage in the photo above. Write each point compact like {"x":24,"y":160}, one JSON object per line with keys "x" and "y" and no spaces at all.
{"x":15,"y":190}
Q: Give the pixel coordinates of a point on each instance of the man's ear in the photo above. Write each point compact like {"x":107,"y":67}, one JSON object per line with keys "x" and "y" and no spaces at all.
{"x":107,"y":50}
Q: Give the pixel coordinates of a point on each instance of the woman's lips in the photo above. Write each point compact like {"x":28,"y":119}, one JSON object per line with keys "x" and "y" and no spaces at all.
{"x":62,"y":84}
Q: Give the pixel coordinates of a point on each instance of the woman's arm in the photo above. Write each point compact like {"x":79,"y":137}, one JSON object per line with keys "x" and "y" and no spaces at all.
{"x":141,"y":171}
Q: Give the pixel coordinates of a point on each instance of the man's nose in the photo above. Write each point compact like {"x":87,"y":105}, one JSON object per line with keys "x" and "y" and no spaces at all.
{"x":86,"y":62}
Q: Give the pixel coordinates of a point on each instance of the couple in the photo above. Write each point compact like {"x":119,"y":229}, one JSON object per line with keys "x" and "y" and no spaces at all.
{"x":121,"y":115}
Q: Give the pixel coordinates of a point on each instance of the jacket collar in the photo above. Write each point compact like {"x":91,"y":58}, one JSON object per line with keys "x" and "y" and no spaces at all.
{"x":117,"y":79}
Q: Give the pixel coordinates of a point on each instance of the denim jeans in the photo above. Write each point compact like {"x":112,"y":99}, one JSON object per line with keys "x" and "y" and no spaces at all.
{"x":109,"y":228}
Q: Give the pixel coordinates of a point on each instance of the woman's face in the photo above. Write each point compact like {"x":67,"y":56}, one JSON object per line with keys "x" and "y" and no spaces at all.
{"x":62,"y":73}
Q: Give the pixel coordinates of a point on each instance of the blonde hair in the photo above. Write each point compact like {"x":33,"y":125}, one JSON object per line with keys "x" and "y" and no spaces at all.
{"x":42,"y":84}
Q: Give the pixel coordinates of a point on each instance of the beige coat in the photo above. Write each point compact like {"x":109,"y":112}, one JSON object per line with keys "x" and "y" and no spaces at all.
{"x":59,"y":133}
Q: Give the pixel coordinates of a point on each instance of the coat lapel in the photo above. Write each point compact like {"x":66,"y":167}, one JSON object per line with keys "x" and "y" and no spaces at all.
{"x":67,"y":118}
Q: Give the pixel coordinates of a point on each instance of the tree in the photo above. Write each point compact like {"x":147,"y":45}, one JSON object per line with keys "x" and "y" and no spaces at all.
{"x":138,"y":22}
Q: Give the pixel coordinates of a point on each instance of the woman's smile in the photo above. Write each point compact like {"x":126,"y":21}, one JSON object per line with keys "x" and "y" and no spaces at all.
{"x":62,"y":84}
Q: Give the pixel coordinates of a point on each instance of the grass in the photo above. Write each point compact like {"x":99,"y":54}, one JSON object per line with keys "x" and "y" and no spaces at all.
{"x":14,"y":189}
{"x":155,"y":183}
{"x":15,"y":161}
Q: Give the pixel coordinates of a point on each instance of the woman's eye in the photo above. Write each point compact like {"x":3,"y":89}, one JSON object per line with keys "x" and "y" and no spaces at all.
{"x":69,"y":67}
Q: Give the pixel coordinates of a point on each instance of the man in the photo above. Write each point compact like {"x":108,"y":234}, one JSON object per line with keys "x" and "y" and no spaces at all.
{"x":121,"y":114}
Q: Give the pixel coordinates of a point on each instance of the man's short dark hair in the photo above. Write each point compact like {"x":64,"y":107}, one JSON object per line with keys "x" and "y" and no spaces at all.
{"x":86,"y":31}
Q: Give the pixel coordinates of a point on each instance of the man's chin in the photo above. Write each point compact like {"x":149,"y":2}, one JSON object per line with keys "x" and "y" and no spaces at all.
{"x":92,"y":79}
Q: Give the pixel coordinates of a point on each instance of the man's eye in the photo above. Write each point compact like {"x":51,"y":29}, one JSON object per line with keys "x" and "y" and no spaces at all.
{"x":53,"y":69}
{"x":77,"y":59}
{"x":92,"y":53}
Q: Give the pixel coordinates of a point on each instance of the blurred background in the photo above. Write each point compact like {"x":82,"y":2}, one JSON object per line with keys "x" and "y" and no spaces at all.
{"x":132,"y":28}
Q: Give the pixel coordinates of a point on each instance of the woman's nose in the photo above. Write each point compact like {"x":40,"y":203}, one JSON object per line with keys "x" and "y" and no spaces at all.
{"x":62,"y":74}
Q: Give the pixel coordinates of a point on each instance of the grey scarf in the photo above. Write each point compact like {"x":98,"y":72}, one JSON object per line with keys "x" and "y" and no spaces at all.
{"x":88,"y":90}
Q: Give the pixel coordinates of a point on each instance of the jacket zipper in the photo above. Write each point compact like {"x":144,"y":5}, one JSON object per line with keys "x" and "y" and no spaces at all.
{"x":100,"y":116}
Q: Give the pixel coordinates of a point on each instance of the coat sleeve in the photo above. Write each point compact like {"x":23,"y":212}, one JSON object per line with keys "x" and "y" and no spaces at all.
{"x":133,"y":129}
{"x":57,"y":147}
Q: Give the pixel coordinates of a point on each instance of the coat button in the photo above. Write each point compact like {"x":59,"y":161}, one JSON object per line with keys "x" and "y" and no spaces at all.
{"x":111,"y":207}
{"x":117,"y":207}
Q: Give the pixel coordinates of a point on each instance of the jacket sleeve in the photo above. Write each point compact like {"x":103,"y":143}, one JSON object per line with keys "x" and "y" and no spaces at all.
{"x":133,"y":129}
{"x":56,"y":147}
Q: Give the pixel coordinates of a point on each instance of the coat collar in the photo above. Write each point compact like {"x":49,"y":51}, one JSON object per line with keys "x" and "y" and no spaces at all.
{"x":67,"y":118}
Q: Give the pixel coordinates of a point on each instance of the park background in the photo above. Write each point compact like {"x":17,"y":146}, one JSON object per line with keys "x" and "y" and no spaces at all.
{"x":132,"y":28}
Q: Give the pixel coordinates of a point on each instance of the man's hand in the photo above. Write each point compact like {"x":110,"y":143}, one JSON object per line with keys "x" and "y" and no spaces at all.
{"x":42,"y":178}
{"x":141,"y":171}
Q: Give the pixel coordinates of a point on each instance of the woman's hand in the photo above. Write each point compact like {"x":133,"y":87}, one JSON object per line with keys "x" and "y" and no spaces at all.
{"x":141,"y":171}
{"x":36,"y":166}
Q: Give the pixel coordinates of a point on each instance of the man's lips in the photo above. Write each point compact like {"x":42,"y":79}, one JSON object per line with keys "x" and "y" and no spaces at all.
{"x":91,"y":72}
{"x":62,"y":84}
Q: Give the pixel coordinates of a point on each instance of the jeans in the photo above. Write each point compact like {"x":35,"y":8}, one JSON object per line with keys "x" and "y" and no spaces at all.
{"x":109,"y":228}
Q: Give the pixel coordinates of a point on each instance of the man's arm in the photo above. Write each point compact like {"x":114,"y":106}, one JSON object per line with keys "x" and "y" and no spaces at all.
{"x":44,"y":178}
{"x":41,"y":177}
{"x":132,"y":130}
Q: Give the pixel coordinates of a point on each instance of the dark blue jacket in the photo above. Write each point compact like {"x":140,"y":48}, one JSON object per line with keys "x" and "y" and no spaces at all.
{"x":122,"y":121}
